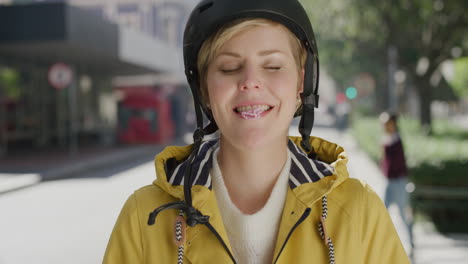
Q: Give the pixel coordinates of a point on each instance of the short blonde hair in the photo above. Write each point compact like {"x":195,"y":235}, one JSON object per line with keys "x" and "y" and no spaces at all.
{"x":214,"y":43}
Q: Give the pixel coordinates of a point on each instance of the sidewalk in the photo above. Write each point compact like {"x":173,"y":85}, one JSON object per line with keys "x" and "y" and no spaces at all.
{"x":461,"y":121}
{"x":431,"y":247}
{"x":27,"y":169}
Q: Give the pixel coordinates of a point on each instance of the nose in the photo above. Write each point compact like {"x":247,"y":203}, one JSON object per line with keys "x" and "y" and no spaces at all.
{"x":250,"y":80}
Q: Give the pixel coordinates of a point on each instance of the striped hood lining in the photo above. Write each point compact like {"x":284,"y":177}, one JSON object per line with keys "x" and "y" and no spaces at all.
{"x":303,"y":169}
{"x":201,"y":167}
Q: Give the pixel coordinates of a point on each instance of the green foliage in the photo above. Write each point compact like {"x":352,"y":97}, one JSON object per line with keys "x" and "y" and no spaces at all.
{"x":354,"y":36}
{"x":350,"y":41}
{"x":443,"y":146}
{"x":431,"y":173}
{"x":460,"y":81}
{"x":9,"y":83}
{"x":448,"y":215}
{"x":367,"y":133}
{"x":448,"y":144}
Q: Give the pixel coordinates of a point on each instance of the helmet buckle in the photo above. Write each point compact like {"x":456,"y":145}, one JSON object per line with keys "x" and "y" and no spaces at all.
{"x":311,"y":99}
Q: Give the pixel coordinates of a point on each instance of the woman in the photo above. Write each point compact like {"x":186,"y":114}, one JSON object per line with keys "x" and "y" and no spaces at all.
{"x":253,"y":195}
{"x":394,"y":168}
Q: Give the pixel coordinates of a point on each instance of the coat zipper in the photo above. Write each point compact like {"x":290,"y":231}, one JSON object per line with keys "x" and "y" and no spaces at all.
{"x":303,"y":217}
{"x":212,"y":229}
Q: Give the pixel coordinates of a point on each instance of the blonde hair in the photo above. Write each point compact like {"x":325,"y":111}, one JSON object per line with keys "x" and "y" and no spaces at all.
{"x":213,"y":44}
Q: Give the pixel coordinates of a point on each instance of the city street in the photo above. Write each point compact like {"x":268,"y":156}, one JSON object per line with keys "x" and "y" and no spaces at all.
{"x":69,"y":221}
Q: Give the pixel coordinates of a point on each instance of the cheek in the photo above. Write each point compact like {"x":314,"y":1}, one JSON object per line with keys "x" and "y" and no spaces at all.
{"x":216,"y":88}
{"x":286,"y":86}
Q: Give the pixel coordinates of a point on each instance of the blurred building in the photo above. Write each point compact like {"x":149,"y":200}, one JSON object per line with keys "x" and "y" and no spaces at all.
{"x":162,"y":19}
{"x":105,"y":44}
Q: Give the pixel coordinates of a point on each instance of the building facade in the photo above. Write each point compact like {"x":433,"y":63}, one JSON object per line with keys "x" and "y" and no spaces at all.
{"x":100,"y":41}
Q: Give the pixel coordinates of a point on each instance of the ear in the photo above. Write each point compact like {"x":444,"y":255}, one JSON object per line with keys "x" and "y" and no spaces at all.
{"x":300,"y":89}
{"x":205,"y":100}
{"x":208,"y":101}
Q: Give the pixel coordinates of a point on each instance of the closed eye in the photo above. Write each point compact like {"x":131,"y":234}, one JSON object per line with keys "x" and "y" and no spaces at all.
{"x":273,"y":68}
{"x":229,"y":70}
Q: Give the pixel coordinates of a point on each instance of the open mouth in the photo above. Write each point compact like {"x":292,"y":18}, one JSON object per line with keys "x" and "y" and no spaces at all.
{"x":252,"y":112}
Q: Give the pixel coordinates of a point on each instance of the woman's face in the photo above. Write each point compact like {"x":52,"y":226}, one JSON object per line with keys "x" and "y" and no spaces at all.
{"x":390,"y":127}
{"x":253,"y":84}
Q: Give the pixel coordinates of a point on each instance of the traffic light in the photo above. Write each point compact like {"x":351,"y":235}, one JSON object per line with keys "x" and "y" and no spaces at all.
{"x":351,"y":93}
{"x":340,"y":98}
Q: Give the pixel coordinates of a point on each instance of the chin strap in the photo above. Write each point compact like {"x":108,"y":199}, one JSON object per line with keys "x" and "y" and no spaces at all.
{"x":310,"y":100}
{"x":210,"y":128}
{"x":193,"y":216}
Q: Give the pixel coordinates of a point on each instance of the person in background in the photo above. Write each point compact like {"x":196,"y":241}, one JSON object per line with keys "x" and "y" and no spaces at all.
{"x":395,"y":170}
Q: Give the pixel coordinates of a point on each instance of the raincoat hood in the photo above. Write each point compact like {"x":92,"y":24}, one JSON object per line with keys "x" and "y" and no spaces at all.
{"x":330,"y":158}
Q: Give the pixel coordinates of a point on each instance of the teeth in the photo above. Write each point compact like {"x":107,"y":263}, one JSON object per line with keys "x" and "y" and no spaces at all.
{"x":252,"y":107}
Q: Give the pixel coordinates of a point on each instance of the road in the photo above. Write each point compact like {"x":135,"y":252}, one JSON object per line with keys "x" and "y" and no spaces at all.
{"x":67,"y":221}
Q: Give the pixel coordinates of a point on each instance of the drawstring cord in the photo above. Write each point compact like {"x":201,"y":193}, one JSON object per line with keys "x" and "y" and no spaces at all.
{"x":323,"y":231}
{"x":180,"y":238}
{"x":193,"y":216}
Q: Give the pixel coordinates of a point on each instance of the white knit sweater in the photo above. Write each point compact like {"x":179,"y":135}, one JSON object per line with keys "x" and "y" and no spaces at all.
{"x":252,"y":237}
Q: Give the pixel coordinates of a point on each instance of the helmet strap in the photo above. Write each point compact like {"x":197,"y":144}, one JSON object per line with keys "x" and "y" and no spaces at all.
{"x":198,"y":113}
{"x":305,"y":127}
{"x":210,"y":128}
{"x":310,"y":100}
{"x":197,"y":139}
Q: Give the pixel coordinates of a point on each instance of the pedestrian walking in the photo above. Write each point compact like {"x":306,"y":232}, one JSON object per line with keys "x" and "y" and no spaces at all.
{"x":253,"y":194}
{"x":395,"y":170}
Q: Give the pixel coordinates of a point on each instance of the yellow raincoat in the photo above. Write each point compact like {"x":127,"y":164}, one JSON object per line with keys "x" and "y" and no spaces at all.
{"x":357,"y":221}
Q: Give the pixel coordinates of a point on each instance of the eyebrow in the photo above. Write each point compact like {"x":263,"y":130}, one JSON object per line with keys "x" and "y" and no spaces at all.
{"x":268,"y":52}
{"x":228,"y":53}
{"x":261,"y":53}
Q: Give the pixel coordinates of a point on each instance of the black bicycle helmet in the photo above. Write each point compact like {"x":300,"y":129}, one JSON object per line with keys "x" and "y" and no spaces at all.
{"x":210,"y":15}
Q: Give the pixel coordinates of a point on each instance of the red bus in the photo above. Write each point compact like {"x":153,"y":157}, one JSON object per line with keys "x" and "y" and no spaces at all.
{"x":144,"y":116}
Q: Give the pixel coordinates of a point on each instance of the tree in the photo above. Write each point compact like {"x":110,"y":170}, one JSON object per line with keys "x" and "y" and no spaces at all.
{"x":424,"y":33}
{"x":346,"y":46}
{"x":9,"y":83}
{"x":460,"y":80}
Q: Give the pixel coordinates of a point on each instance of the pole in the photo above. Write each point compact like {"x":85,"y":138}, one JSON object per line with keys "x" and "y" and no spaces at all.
{"x":392,"y":68}
{"x":73,"y":144}
{"x":3,"y":125}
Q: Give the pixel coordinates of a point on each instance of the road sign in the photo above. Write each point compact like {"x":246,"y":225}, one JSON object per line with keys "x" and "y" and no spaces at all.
{"x":60,"y":75}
